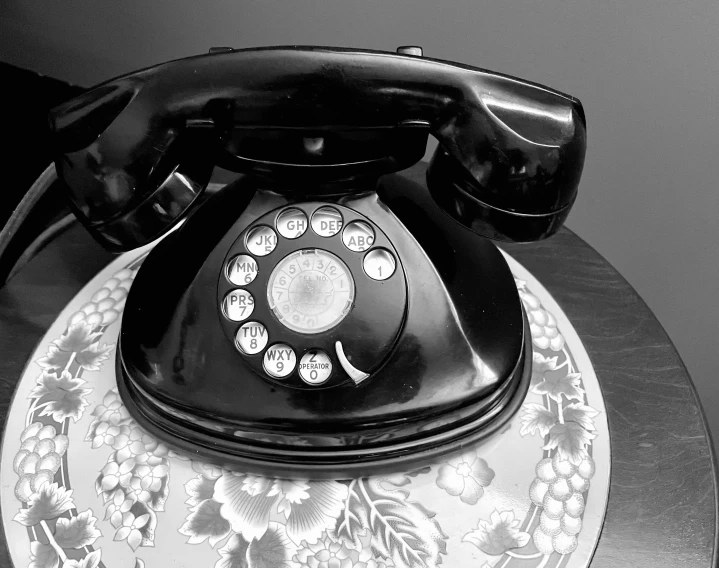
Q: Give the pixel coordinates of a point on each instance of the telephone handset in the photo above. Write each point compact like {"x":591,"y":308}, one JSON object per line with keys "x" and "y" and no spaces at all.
{"x":321,"y":300}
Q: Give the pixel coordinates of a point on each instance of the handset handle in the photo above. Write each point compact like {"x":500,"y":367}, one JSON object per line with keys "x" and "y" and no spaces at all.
{"x":148,"y":141}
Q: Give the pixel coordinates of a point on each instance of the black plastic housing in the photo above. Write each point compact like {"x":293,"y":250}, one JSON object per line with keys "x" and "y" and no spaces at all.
{"x":457,"y":372}
{"x":442,"y":346}
{"x":136,"y":151}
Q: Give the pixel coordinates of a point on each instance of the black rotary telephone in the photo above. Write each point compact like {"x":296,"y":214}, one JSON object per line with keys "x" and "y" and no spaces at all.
{"x":321,"y":316}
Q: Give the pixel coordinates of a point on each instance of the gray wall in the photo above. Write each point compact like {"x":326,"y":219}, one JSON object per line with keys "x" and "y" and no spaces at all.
{"x":646,"y":70}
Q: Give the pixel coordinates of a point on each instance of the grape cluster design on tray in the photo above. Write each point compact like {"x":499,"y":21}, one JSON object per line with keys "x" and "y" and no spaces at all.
{"x":553,"y":523}
{"x":254,"y":521}
{"x":61,"y":536}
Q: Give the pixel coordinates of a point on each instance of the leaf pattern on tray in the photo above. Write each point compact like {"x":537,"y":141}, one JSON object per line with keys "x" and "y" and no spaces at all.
{"x":566,"y":425}
{"x":76,"y":532}
{"x":404,"y":531}
{"x":498,"y":535}
{"x":63,"y":396}
{"x":206,"y":522}
{"x":254,"y":521}
{"x":59,"y":398}
{"x":234,"y":553}
{"x":48,"y":503}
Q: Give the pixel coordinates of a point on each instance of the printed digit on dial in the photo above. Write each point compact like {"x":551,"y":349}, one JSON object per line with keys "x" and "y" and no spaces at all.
{"x":310,"y":290}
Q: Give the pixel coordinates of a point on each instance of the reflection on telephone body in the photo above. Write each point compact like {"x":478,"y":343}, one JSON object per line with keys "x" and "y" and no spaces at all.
{"x":322,"y":311}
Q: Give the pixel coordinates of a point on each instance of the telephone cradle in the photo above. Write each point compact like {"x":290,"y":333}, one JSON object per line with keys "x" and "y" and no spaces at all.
{"x":321,"y":316}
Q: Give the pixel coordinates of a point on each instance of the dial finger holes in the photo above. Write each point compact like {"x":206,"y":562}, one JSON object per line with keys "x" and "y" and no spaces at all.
{"x":326,"y":221}
{"x":279,"y":361}
{"x":238,"y":305}
{"x":251,"y":338}
{"x":379,"y":264}
{"x":261,"y":241}
{"x":292,"y":223}
{"x":315,"y":367}
{"x":242,"y":270}
{"x":358,"y":236}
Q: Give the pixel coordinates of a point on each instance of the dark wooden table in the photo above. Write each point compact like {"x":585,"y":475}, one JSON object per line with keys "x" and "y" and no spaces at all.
{"x":662,"y":507}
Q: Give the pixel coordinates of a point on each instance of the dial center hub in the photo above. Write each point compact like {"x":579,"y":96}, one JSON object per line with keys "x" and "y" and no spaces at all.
{"x":310,"y":291}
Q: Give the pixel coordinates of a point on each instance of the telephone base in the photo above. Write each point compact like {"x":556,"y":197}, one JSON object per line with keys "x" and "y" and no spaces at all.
{"x":308,"y":462}
{"x":280,"y":346}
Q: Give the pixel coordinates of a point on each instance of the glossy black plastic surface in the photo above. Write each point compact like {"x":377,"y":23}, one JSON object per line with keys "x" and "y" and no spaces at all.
{"x":458,"y":370}
{"x":136,"y":151}
{"x":435,"y":357}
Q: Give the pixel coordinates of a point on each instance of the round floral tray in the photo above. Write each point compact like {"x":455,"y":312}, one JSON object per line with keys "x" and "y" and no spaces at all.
{"x":84,"y":486}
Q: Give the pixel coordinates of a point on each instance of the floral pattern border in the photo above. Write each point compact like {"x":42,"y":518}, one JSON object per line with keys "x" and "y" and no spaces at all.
{"x":254,"y":521}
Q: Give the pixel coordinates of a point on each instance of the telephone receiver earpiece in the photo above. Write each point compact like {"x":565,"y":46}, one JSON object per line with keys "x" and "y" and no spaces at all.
{"x":510,"y":171}
{"x":137,"y":151}
{"x":127,"y":186}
